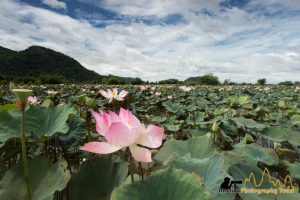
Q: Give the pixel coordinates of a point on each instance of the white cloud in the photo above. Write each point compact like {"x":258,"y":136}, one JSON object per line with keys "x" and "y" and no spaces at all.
{"x":233,"y":44}
{"x":55,"y":4}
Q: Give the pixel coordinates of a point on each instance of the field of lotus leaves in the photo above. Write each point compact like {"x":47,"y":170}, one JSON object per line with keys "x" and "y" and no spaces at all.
{"x":156,"y":142}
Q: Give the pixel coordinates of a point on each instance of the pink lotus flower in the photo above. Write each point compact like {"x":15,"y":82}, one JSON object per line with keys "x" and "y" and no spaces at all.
{"x":142,"y":87}
{"x":185,"y":88}
{"x":124,"y":130}
{"x":113,"y":94}
{"x":32,"y":100}
{"x":157,"y":93}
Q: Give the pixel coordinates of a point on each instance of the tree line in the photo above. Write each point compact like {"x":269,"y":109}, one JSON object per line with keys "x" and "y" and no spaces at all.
{"x":207,"y":79}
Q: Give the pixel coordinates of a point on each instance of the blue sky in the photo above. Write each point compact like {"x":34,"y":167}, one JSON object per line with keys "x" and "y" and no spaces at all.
{"x":241,"y":40}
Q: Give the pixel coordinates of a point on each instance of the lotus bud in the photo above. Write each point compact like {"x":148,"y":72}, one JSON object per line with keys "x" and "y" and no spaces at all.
{"x":215,"y":127}
{"x":249,"y":138}
{"x":91,"y":102}
{"x":81,"y":98}
{"x":12,"y":86}
{"x":282,"y":104}
{"x":277,"y":145}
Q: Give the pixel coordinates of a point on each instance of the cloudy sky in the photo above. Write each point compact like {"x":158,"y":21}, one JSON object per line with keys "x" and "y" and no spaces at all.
{"x":241,"y":40}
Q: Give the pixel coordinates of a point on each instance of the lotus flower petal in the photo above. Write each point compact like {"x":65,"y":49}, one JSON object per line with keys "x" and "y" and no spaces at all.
{"x":127,"y":117}
{"x":100,"y":147}
{"x":105,"y":94}
{"x":140,"y":154}
{"x":113,"y":117}
{"x":152,"y":138}
{"x":120,"y":135}
{"x":123,"y":93}
{"x":119,"y":98}
{"x":102,"y":122}
{"x":32,"y":99}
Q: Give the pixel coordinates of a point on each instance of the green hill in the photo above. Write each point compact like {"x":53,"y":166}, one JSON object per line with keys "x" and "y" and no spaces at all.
{"x":38,"y":61}
{"x":207,"y":79}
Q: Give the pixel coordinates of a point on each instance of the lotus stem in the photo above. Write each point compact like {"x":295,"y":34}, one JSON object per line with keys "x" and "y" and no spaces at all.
{"x":142,"y":173}
{"x":24,"y":155}
{"x":114,"y":105}
{"x":131,"y":167}
{"x":87,"y":121}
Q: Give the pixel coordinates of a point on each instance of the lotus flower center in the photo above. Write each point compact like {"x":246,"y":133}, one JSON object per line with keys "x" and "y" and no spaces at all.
{"x":114,"y":93}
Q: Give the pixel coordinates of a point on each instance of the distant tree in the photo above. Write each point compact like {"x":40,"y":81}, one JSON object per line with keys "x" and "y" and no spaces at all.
{"x":286,"y":83}
{"x":209,"y":79}
{"x":169,"y":81}
{"x":25,"y":79}
{"x":137,"y":81}
{"x":52,"y":79}
{"x":226,"y":82}
{"x":112,"y":81}
{"x":261,"y":81}
{"x":191,"y":83}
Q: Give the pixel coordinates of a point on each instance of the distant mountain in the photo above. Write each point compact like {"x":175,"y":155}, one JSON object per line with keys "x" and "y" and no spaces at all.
{"x":37,"y":61}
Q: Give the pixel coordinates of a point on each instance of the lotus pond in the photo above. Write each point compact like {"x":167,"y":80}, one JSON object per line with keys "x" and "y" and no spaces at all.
{"x":156,"y":142}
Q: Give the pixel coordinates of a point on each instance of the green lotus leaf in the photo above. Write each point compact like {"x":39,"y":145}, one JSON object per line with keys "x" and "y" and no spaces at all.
{"x":96,"y":178}
{"x":194,"y":132}
{"x":221,"y":111}
{"x":166,"y":184}
{"x":249,"y":123}
{"x":228,"y":128}
{"x":281,"y":134}
{"x":76,"y":133}
{"x":255,"y":153}
{"x":91,"y":102}
{"x":172,"y":127}
{"x":195,"y":118}
{"x":41,"y":121}
{"x":239,"y":100}
{"x":159,"y":119}
{"x":295,"y":119}
{"x":45,"y":177}
{"x":47,"y":103}
{"x":7,"y":107}
{"x":22,"y":94}
{"x":172,"y":107}
{"x":294,"y":169}
{"x":199,"y":147}
{"x":282,"y":104}
{"x":211,"y":169}
{"x":191,"y":108}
